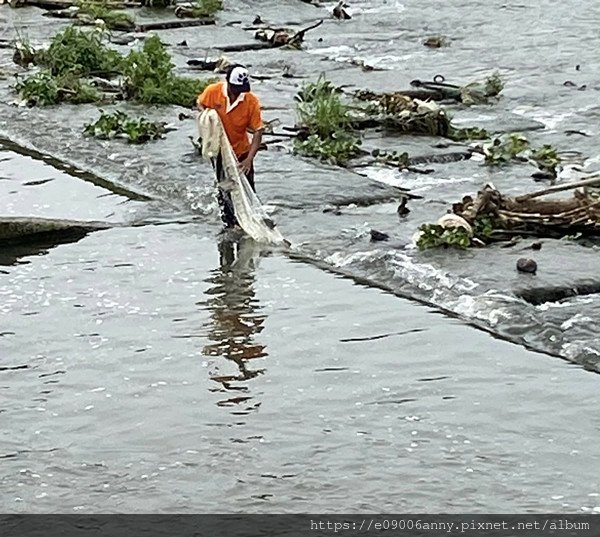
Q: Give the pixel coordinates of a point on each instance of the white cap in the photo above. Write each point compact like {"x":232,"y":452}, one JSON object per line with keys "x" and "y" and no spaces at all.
{"x":239,"y":78}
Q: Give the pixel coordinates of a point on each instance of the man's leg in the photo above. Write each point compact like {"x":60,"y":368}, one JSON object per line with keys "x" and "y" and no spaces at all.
{"x":224,"y":198}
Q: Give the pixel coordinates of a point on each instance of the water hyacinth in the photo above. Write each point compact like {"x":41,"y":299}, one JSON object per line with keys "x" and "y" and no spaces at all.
{"x":326,"y":124}
{"x":120,"y":125}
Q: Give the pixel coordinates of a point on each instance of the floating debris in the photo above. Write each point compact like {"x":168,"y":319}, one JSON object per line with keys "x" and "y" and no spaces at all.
{"x":199,"y":9}
{"x":120,"y":125}
{"x":75,"y":56}
{"x":470,"y":94}
{"x":504,"y":149}
{"x":325,"y":124}
{"x":339,"y":11}
{"x":495,"y":217}
{"x":437,"y":41}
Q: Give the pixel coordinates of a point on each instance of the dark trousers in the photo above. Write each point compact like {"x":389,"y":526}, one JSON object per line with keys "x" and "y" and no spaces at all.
{"x":227,"y":212}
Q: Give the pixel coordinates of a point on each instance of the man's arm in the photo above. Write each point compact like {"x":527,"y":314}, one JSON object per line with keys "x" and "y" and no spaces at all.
{"x":246,"y":164}
{"x":256,"y":125}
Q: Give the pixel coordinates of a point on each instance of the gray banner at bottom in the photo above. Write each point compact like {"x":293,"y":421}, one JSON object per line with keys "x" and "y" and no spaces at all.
{"x":408,"y":525}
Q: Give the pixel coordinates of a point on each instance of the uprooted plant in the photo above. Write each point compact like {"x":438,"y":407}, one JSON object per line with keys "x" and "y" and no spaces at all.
{"x":199,"y":9}
{"x":414,"y":116}
{"x":147,"y":75}
{"x":44,"y":89}
{"x":325,"y":124}
{"x":94,"y":10}
{"x":406,"y":115}
{"x":81,"y":52}
{"x":150,"y":78}
{"x":504,"y":149}
{"x":120,"y":125}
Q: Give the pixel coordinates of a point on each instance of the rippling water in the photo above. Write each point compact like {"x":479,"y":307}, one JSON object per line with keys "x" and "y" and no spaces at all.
{"x":160,"y":366}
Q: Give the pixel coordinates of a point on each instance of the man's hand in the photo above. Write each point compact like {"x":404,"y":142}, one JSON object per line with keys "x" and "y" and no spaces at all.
{"x":246,"y":165}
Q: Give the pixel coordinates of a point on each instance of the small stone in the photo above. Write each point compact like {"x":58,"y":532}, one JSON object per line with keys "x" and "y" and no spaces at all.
{"x":527,"y":265}
{"x":378,"y":236}
{"x":536,"y":246}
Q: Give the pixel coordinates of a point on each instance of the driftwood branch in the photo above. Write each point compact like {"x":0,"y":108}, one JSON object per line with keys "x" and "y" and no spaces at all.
{"x":594,"y":180}
{"x":299,"y":36}
{"x":167,"y":25}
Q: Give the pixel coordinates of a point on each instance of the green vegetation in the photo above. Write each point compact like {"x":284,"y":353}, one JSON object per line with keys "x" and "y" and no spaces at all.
{"x":434,"y":235}
{"x":502,"y":150}
{"x":326,"y":124}
{"x":546,"y":158}
{"x":149,"y":77}
{"x":75,"y":55}
{"x":467,"y":134}
{"x":206,"y":8}
{"x":119,"y":124}
{"x":101,"y":10}
{"x":401,"y":160}
{"x":44,"y":89}
{"x":80,"y":52}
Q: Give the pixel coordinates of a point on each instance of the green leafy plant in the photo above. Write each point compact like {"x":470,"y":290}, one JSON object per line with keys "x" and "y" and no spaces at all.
{"x":149,"y":77}
{"x":326,"y":124}
{"x":82,"y":52}
{"x":206,"y":8}
{"x":119,"y":124}
{"x":483,"y":226}
{"x":466,"y":134}
{"x":44,"y":89}
{"x":337,"y":149}
{"x":502,"y":150}
{"x":101,"y":10}
{"x":40,"y":89}
{"x":434,"y":236}
{"x":402,"y":160}
{"x":546,"y":158}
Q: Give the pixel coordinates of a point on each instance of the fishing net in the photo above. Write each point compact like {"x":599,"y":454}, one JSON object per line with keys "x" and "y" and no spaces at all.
{"x":249,"y":212}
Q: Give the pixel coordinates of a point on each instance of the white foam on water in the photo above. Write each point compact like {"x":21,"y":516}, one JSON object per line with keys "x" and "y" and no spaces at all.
{"x":574,"y":350}
{"x":338,"y":52}
{"x":566,"y":304}
{"x":414,"y":182}
{"x":548,"y":118}
{"x":575,"y":320}
{"x":484,"y":307}
{"x":370,"y":7}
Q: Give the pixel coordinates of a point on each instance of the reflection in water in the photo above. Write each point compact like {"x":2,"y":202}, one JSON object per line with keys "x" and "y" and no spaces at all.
{"x":235,"y":318}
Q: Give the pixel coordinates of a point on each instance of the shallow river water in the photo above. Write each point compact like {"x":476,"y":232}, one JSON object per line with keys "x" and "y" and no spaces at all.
{"x":160,"y":366}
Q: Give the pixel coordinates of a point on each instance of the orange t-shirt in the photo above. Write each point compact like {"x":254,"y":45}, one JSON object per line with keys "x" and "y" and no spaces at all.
{"x":244,"y":115}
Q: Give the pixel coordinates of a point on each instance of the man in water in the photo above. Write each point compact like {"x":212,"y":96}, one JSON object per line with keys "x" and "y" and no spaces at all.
{"x":239,"y":111}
